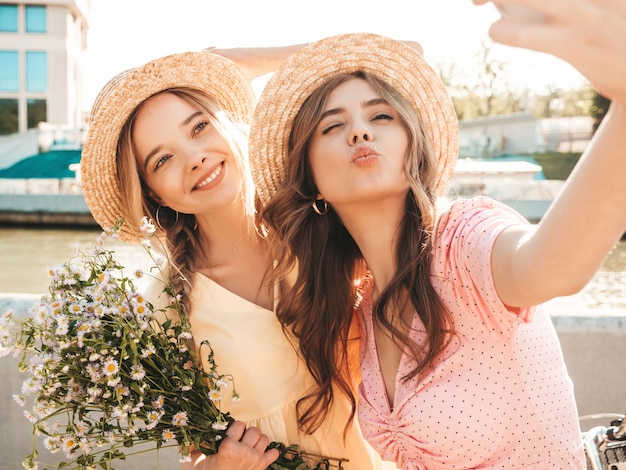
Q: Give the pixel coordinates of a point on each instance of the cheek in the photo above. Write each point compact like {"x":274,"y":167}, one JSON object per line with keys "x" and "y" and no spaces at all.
{"x":313,"y":156}
{"x":161,"y":187}
{"x":320,"y":167}
{"x":401,"y":140}
{"x":401,"y":146}
{"x":321,"y":155}
{"x":325,"y":181}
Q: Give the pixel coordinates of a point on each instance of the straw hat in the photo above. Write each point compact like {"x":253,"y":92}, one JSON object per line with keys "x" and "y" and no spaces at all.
{"x":392,"y":61}
{"x":215,"y":75}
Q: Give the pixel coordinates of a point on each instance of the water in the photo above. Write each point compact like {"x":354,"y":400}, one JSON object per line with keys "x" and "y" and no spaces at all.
{"x":608,"y":288}
{"x":25,"y":254}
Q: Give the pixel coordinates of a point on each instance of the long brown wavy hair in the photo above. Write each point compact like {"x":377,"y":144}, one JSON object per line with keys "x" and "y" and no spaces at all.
{"x":319,"y":307}
{"x":182,"y":243}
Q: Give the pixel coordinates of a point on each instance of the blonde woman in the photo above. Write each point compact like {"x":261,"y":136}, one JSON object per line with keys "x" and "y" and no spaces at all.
{"x":168,"y":141}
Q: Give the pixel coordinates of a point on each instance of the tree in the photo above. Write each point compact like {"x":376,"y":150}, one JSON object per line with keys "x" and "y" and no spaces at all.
{"x":557,"y":102}
{"x":485,"y":91}
{"x":599,"y":107}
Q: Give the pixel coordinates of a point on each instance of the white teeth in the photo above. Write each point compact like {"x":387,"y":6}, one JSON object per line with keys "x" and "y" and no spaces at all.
{"x":211,"y":177}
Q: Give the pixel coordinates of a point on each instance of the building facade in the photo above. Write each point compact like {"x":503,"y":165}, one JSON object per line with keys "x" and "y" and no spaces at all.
{"x":522,"y":133}
{"x":41,"y":59}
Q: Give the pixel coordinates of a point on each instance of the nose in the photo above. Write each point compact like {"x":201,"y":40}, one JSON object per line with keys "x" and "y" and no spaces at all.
{"x":360,"y":133}
{"x":196,"y":162}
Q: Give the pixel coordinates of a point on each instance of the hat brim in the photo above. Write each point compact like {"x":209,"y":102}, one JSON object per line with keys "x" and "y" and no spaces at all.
{"x":392,"y":61}
{"x":217,"y":76}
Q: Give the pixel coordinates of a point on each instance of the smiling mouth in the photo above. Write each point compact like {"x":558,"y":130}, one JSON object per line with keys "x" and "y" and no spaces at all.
{"x":210,"y":178}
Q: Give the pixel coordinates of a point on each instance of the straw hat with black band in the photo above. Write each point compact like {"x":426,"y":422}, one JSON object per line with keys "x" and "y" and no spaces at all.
{"x":394,"y":62}
{"x":215,"y":75}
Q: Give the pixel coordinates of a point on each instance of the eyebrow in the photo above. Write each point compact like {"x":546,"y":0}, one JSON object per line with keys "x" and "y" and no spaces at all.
{"x":366,"y":104}
{"x":158,"y":148}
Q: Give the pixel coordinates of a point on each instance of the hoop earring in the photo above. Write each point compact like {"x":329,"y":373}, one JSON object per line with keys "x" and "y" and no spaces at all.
{"x":158,"y":222}
{"x":320,"y":210}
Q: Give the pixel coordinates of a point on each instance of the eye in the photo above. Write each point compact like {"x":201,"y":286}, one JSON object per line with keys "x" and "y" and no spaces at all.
{"x":329,"y":127}
{"x":161,"y":161}
{"x":200,"y":126}
{"x":383,"y":117}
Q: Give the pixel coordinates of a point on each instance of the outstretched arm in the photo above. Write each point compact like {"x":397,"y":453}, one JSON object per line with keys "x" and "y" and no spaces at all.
{"x":256,"y":61}
{"x":560,"y":256}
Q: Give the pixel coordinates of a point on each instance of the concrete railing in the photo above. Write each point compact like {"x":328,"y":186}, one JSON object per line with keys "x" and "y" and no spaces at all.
{"x":594,"y":347}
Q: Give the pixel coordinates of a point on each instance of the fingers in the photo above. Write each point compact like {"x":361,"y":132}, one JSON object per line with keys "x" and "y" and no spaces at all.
{"x":252,"y":437}
{"x":588,"y":34}
{"x":236,"y":430}
{"x":269,"y":457}
{"x":572,"y":11}
{"x":521,"y":14}
{"x":242,"y":449}
{"x":530,"y":36}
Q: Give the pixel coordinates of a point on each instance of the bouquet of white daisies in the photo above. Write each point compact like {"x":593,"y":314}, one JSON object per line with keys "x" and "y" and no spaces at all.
{"x":109,"y":376}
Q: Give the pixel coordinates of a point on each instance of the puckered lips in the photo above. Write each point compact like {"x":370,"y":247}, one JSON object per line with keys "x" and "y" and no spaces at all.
{"x":364,"y":155}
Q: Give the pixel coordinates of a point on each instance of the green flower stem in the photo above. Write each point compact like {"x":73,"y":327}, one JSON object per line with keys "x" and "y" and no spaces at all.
{"x":82,"y":346}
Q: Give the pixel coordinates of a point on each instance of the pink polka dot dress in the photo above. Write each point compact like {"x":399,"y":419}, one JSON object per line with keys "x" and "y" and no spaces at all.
{"x":499,"y":397}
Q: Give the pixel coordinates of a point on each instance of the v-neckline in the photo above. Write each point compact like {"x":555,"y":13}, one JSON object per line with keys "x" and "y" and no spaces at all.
{"x":232,"y":294}
{"x":399,"y":396}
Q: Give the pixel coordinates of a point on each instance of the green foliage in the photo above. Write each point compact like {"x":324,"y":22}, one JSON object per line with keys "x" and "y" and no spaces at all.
{"x":557,"y":165}
{"x":112,"y":375}
{"x":557,"y":102}
{"x":485,"y":90}
{"x":599,"y":107}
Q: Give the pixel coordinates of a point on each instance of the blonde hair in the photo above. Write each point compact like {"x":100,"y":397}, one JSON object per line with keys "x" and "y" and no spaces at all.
{"x":182,"y":242}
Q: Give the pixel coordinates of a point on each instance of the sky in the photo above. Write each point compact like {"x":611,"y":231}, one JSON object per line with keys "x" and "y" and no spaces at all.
{"x":127,"y":33}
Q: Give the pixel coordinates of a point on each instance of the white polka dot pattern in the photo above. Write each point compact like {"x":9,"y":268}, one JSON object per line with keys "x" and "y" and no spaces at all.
{"x":500,"y":396}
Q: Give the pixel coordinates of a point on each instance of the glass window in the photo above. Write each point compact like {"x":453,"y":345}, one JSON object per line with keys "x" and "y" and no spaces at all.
{"x":8,"y":18}
{"x":35,"y":19}
{"x":35,"y":112}
{"x":36,"y":71}
{"x":9,"y":73}
{"x":9,"y":123}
